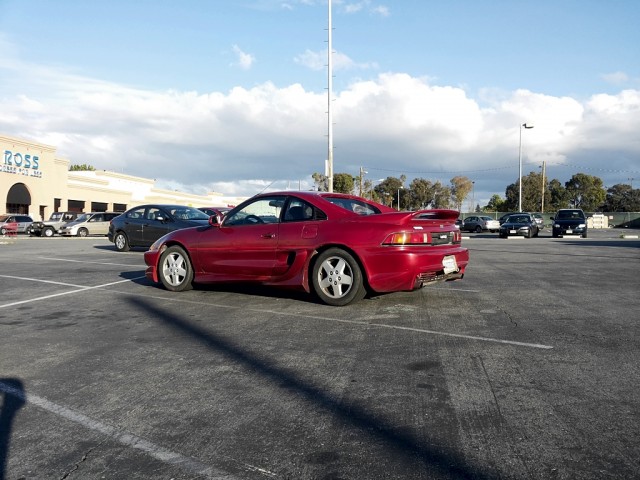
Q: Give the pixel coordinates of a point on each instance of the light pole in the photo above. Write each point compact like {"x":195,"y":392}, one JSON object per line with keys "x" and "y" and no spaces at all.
{"x":473,"y":196}
{"x":401,"y":188}
{"x":525,"y":125}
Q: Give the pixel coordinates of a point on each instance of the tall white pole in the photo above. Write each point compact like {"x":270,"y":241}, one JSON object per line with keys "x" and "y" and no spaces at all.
{"x":329,"y":97}
{"x":525,"y":125}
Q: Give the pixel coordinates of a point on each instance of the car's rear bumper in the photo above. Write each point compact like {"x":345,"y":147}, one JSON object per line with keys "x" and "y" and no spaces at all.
{"x":407,"y":268}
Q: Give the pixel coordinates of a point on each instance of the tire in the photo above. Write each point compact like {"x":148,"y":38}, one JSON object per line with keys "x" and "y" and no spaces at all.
{"x":121,"y":242}
{"x":3,"y":231}
{"x":584,"y":235}
{"x":83,"y":232}
{"x":175,"y":270}
{"x":478,"y":229}
{"x":337,"y":278}
{"x":529,"y":233}
{"x":48,"y":232}
{"x":27,"y":231}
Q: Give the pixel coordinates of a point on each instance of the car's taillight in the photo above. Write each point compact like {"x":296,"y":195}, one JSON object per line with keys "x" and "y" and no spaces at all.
{"x":407,"y":238}
{"x":423,"y":238}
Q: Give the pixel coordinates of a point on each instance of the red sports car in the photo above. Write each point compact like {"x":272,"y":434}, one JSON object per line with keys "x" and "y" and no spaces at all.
{"x":338,"y":246}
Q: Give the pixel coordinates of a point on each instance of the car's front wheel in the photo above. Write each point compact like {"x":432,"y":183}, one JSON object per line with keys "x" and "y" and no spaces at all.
{"x":83,"y":232}
{"x":48,"y":232}
{"x":121,"y":242}
{"x":175,"y":270}
{"x":337,"y":278}
{"x":478,"y":229}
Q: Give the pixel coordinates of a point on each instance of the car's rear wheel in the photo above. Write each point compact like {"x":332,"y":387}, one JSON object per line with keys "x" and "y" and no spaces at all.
{"x":121,"y":242}
{"x":337,"y":278}
{"x":83,"y":232}
{"x":175,"y":270}
{"x":48,"y":232}
{"x":28,"y":231}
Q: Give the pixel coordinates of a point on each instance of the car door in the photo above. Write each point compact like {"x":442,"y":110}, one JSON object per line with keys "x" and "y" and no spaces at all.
{"x":133,"y":225}
{"x":244,"y":246}
{"x":299,"y":232}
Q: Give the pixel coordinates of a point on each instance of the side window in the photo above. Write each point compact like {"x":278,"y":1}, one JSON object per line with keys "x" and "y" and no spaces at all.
{"x":262,"y":210}
{"x":298,"y":211}
{"x":154,"y":213}
{"x":138,"y":213}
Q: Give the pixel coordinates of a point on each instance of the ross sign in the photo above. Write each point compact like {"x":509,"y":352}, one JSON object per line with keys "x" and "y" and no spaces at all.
{"x":19,"y":164}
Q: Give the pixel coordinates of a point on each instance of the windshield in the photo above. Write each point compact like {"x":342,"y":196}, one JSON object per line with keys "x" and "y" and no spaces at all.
{"x":82,"y":218}
{"x":568,"y":214}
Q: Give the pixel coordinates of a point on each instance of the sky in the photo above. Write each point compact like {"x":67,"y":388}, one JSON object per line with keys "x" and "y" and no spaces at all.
{"x":231,"y":96}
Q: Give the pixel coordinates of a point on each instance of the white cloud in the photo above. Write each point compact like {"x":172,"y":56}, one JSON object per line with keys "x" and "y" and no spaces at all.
{"x":356,"y":7}
{"x":318,"y":61}
{"x":245,"y":140}
{"x":244,"y":60}
{"x":616,"y":78}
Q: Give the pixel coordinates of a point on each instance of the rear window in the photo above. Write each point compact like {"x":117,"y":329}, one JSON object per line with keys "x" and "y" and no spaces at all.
{"x":356,"y":206}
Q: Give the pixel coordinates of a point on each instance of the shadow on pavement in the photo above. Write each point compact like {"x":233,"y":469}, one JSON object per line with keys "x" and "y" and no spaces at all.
{"x":449,"y":464}
{"x":14,"y":399}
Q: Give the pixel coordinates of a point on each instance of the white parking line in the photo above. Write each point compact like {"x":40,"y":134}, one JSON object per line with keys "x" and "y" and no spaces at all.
{"x":85,"y":261}
{"x":79,"y":288}
{"x":128,"y":439}
{"x":352,"y":322}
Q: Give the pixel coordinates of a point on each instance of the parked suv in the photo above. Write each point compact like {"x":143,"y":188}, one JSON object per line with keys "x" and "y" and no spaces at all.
{"x":94,"y":223}
{"x":50,"y":227}
{"x":569,"y":221}
{"x":15,"y":223}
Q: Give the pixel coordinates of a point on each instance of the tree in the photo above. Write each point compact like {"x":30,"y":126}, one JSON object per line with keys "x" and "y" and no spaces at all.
{"x":442,"y":197}
{"x":460,"y":188}
{"x":585,"y":191}
{"x":531,"y":194}
{"x":558,"y":195}
{"x":496,"y":204}
{"x":622,"y":198}
{"x":389,"y":190}
{"x":343,"y":183}
{"x":82,"y":168}
{"x":321,"y":182}
{"x":421,"y":194}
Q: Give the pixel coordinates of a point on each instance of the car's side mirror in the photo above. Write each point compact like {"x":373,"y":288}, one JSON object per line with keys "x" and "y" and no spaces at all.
{"x":215,"y":220}
{"x":160,"y":219}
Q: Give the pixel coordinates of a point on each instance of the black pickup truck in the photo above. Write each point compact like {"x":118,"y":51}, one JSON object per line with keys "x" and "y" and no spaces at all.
{"x":569,"y":221}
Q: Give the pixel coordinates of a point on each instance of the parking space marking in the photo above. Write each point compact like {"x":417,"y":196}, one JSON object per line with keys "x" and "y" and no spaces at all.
{"x":355,"y":322}
{"x":85,"y":261}
{"x":79,"y":288}
{"x":128,"y":439}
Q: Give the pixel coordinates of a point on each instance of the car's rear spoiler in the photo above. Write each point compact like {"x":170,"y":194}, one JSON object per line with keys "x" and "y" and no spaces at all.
{"x":436,"y":214}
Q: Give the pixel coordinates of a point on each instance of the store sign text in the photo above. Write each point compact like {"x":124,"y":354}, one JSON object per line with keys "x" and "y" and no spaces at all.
{"x":15,"y":162}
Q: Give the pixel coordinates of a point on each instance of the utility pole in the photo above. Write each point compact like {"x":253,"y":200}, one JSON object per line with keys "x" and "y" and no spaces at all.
{"x":329,"y":96}
{"x":544,"y":163}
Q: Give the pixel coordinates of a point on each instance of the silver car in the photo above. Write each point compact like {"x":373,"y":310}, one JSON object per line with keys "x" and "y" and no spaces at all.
{"x":94,"y":223}
{"x":15,"y":223}
{"x":480,"y":223}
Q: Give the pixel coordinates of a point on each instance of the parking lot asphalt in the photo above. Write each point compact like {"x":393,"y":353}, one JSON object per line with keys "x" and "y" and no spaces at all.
{"x":526,"y":369}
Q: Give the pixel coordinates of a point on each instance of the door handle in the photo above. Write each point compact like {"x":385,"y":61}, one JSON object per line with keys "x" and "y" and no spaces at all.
{"x":268,"y":235}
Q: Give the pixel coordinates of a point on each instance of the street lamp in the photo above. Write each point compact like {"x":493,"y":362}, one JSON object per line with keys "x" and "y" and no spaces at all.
{"x":525,"y":125}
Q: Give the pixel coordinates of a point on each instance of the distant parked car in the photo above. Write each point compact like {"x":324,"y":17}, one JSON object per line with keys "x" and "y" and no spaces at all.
{"x":569,"y":221}
{"x":519,"y":224}
{"x":539,"y":220}
{"x":143,"y":225}
{"x":504,"y":217}
{"x":15,"y":223}
{"x":480,"y":224}
{"x":52,"y":226}
{"x":94,"y":223}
